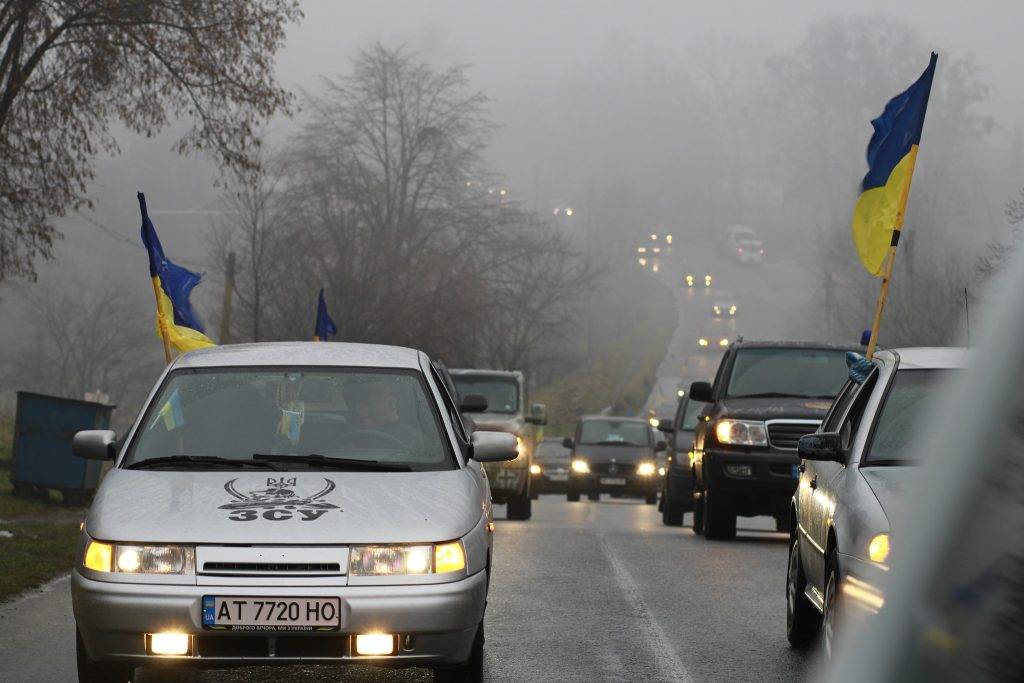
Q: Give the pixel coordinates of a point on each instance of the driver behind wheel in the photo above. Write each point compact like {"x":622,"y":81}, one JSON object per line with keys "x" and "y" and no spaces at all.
{"x":373,"y":407}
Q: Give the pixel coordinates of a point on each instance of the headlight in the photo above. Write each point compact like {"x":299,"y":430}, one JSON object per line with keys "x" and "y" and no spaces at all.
{"x":741,"y":433}
{"x":535,"y":469}
{"x":661,"y":471}
{"x":654,"y":422}
{"x":645,"y":469}
{"x":139,"y":559}
{"x":718,"y":311}
{"x":707,"y":280}
{"x":732,"y":310}
{"x":689,"y":281}
{"x":702,"y":341}
{"x":580,"y":466}
{"x":403,"y":560}
{"x":878,"y":548}
{"x":723,"y":342}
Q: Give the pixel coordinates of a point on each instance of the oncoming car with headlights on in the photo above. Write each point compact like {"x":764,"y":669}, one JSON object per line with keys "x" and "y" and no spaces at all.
{"x":289,"y":502}
{"x":849,"y":504}
{"x":614,"y":455}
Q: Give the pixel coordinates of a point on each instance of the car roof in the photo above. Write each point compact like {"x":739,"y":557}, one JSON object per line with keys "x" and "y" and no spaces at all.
{"x":456,"y":372}
{"x":798,"y":345}
{"x":339,"y":354}
{"x":933,"y":357}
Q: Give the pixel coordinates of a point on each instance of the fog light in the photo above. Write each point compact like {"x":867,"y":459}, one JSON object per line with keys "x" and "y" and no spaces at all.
{"x":375,"y":644}
{"x":738,"y":470}
{"x":169,"y":643}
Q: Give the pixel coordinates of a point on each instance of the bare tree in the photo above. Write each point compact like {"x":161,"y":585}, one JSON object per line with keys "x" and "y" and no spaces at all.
{"x":1000,"y":251}
{"x":83,"y":336}
{"x":254,"y":217}
{"x":69,"y":67}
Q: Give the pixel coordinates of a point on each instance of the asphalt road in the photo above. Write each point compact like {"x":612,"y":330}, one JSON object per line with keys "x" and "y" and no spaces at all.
{"x":583,"y":591}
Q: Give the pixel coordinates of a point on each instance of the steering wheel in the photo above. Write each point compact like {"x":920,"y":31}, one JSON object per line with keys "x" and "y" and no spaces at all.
{"x":355,"y":434}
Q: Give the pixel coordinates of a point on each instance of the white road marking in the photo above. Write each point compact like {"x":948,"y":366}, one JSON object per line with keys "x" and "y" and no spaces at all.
{"x":665,"y":657}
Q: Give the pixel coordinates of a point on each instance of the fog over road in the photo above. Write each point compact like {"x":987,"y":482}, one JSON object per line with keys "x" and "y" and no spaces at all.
{"x":583,"y":591}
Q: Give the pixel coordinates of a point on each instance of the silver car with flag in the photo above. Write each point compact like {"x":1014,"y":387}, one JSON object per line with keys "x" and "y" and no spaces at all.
{"x":289,"y":502}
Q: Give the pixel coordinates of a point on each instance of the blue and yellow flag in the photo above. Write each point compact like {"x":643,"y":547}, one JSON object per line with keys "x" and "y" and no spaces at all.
{"x":892,"y":152}
{"x":325,"y":327}
{"x":175,"y":320}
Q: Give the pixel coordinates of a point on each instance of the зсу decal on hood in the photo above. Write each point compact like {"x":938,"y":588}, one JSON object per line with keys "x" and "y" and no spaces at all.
{"x":278,"y":501}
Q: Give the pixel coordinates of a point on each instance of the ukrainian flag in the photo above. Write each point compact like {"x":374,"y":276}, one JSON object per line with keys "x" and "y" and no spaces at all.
{"x":892,"y":152}
{"x":175,"y":320}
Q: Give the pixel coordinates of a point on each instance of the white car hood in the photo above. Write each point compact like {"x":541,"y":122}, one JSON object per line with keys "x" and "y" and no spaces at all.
{"x":285,"y":507}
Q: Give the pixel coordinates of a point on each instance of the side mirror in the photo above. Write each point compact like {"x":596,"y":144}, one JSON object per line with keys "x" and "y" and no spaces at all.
{"x":473,"y":403}
{"x":665,"y":425}
{"x":820,"y":446}
{"x":538,"y":414}
{"x":95,"y":444}
{"x":701,"y":391}
{"x":660,"y":446}
{"x":567,"y":442}
{"x":494,"y":446}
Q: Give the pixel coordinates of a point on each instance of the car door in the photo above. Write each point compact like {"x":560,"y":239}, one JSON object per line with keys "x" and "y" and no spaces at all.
{"x":831,"y":476}
{"x":810,"y":502}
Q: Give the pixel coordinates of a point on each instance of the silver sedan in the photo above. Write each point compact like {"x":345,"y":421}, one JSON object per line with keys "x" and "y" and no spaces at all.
{"x":848,"y":509}
{"x":287,"y":502}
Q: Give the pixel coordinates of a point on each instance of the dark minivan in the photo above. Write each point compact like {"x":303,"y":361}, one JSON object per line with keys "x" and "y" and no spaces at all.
{"x":613,"y":455}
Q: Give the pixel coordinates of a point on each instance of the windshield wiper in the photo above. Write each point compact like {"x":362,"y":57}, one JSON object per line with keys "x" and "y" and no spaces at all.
{"x":317,"y":460}
{"x":890,"y":462}
{"x":212,"y":461}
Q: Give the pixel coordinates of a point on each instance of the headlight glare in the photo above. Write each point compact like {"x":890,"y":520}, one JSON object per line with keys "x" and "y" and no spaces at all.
{"x":98,"y":556}
{"x":741,"y":433}
{"x":449,"y":557}
{"x":406,"y":560}
{"x":646,"y":469}
{"x":878,"y":548}
{"x":535,"y":469}
{"x":580,"y":467}
{"x":127,"y":558}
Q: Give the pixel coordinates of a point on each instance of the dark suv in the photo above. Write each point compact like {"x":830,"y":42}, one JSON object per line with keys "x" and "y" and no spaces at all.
{"x":766,"y":395}
{"x":677,"y":484}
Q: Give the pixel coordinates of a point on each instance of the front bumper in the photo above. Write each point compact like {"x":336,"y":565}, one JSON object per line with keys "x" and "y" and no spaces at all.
{"x":635,"y":485}
{"x":768,"y":488}
{"x":436,"y":623}
{"x":549,"y":482}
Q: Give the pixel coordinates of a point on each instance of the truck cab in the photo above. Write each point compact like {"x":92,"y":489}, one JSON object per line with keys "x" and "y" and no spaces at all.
{"x":506,"y":411}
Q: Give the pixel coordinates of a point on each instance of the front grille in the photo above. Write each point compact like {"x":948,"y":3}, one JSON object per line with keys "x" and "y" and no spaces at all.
{"x":786,"y":434}
{"x":332,"y":567}
{"x":289,"y":646}
{"x":615,"y":469}
{"x":232,"y":646}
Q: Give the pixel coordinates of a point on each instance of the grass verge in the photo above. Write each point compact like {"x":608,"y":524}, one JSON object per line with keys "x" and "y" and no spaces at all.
{"x":45,"y":533}
{"x":622,"y":371}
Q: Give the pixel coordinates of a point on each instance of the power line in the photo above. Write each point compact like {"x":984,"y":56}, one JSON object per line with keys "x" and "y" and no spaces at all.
{"x":121,"y":238}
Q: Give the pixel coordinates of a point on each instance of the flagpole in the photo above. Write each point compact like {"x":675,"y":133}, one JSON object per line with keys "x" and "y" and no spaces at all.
{"x":890,"y":260}
{"x":160,"y":322}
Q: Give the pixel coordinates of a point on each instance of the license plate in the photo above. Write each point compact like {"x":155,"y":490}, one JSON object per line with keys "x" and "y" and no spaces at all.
{"x":558,"y":477}
{"x":613,"y":481}
{"x":271,"y":614}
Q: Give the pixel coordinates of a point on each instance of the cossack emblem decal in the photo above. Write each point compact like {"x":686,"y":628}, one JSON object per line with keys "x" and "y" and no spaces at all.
{"x":278,"y":501}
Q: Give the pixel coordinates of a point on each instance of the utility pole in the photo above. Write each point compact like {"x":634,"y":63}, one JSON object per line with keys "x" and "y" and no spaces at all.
{"x":225,"y":309}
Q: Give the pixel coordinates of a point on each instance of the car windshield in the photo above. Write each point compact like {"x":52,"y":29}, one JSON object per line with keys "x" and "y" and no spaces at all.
{"x":787,"y":372}
{"x":502,"y":393}
{"x":615,"y":433}
{"x":690,"y":415}
{"x":744,"y":234}
{"x":365,"y":417}
{"x":550,"y":451}
{"x":895,"y":437}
